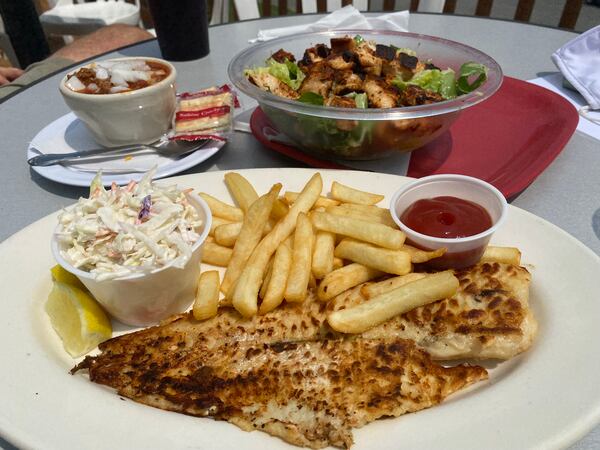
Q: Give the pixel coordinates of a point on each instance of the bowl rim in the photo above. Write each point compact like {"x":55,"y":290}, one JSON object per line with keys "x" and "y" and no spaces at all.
{"x":235,"y":73}
{"x":54,"y":245}
{"x":465,"y":179}
{"x":119,"y":95}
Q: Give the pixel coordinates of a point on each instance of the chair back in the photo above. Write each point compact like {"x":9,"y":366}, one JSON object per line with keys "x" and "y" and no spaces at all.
{"x":568,"y":18}
{"x":248,"y":9}
{"x":70,"y":17}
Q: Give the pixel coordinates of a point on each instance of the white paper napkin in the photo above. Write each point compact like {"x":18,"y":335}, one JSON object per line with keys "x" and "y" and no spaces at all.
{"x":346,"y":18}
{"x":554,"y":82}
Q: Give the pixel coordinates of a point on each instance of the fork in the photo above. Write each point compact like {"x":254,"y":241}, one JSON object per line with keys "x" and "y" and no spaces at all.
{"x":168,"y":148}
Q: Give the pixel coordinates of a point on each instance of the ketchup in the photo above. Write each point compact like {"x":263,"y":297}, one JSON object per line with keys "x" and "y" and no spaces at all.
{"x":446,"y":217}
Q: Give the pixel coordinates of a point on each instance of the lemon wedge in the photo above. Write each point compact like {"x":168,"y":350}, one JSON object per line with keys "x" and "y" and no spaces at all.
{"x":78,"y":319}
{"x":60,"y":274}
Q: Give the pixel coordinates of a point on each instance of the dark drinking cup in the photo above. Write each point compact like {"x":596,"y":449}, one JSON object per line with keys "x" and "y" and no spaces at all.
{"x":181,"y":28}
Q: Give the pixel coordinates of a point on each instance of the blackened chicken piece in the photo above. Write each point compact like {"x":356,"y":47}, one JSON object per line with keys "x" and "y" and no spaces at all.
{"x":390,"y":70}
{"x":281,"y":55}
{"x":322,"y":50}
{"x":406,"y":70}
{"x":408,"y":61}
{"x":268,"y":82}
{"x":345,"y":82}
{"x":370,"y":63}
{"x":338,"y":62}
{"x":379,"y":93}
{"x":313,"y":55}
{"x":340,"y":102}
{"x":385,"y":51}
{"x":430,"y":66}
{"x":415,"y":95}
{"x":340,"y":45}
{"x":319,"y":79}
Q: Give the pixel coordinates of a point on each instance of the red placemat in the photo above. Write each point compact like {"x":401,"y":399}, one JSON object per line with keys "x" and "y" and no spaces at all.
{"x":508,"y":140}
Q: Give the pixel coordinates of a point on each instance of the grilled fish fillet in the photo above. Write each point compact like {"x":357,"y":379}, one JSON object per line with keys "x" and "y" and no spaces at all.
{"x":489,"y":317}
{"x":308,"y":393}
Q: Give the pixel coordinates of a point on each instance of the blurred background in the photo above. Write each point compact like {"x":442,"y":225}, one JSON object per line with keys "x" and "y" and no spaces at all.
{"x":19,"y":44}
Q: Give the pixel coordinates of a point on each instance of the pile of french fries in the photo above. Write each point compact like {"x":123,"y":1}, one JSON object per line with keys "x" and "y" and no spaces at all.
{"x":278,"y":246}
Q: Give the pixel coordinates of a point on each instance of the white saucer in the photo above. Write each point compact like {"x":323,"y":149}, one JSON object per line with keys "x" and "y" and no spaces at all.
{"x":68,"y":134}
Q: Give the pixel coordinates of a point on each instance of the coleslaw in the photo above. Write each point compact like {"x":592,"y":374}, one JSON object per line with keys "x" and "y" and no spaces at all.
{"x":129,"y":230}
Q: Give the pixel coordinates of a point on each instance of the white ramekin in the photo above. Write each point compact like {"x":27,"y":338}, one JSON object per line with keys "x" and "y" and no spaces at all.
{"x":461,"y":252}
{"x":145,"y":299}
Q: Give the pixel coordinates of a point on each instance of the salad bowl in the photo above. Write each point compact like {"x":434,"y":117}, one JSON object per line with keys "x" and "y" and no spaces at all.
{"x":364,"y":133}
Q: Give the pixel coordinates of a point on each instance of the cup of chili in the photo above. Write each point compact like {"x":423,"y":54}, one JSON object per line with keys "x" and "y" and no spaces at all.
{"x":456,"y":212}
{"x":138,"y":112}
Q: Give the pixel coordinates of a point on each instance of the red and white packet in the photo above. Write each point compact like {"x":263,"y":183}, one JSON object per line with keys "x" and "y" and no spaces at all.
{"x":206,"y":114}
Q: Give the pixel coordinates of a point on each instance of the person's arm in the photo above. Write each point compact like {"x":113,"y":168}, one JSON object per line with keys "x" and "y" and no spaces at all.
{"x":8,"y":74}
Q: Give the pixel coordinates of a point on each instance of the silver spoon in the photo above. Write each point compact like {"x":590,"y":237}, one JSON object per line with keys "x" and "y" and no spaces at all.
{"x":166,"y":148}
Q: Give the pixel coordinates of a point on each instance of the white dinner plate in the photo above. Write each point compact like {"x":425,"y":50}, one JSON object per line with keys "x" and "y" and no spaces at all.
{"x":68,"y":134}
{"x":545,"y":398}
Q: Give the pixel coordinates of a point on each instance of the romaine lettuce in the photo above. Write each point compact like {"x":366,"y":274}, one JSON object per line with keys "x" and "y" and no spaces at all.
{"x":444,"y":82}
{"x":467,"y":71}
{"x":311,"y":98}
{"x":360,"y":99}
{"x":287,"y":72}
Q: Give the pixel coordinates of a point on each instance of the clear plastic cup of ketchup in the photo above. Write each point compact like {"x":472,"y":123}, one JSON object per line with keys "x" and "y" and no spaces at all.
{"x":457,"y":212}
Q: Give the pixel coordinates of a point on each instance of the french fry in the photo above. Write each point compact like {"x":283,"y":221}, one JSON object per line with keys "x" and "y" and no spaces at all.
{"x":371,"y":313}
{"x":282,"y":261}
{"x":322,"y":259}
{"x":396,"y":262}
{"x":506,"y":255}
{"x":222,"y":210}
{"x":345,"y":278}
{"x":312,"y":282}
{"x":322,"y":202}
{"x":217,"y":222}
{"x":365,"y":212}
{"x":280,"y":209}
{"x":265,"y":284}
{"x":244,"y":194}
{"x":347,"y":194}
{"x":206,"y":303}
{"x":337,"y":262}
{"x":381,"y":287}
{"x":296,"y":288}
{"x":249,"y":237}
{"x":375,"y":233}
{"x":245,"y":295}
{"x":228,"y":233}
{"x":216,"y":254}
{"x":418,"y":256}
{"x":241,"y":190}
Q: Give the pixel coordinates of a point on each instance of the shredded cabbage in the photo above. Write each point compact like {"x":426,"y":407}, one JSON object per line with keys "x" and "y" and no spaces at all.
{"x":129,"y":230}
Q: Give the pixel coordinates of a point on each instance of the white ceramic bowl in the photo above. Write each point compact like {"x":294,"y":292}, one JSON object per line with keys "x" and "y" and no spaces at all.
{"x":134,"y":117}
{"x":145,"y":299}
{"x":461,"y":252}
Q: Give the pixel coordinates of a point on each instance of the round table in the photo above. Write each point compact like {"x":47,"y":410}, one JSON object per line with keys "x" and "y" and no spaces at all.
{"x":566,"y":194}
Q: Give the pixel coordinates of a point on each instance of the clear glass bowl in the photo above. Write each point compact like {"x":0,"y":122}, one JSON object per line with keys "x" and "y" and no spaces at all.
{"x":348,"y":133}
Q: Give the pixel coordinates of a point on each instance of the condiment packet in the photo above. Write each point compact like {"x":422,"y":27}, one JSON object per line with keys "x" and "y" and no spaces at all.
{"x":206,"y":114}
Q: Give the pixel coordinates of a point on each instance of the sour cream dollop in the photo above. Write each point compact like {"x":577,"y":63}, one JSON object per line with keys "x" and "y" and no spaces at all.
{"x":129,"y":230}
